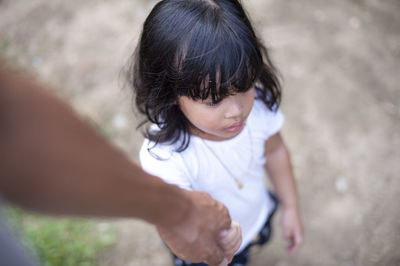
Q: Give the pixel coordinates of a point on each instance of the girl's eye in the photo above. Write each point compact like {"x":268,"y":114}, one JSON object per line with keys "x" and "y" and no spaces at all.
{"x":210,"y":103}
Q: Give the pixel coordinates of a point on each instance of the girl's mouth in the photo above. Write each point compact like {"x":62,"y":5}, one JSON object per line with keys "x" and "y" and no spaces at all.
{"x":235,"y":127}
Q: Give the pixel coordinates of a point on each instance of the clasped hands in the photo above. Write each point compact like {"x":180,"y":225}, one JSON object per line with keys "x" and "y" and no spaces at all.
{"x":206,"y":233}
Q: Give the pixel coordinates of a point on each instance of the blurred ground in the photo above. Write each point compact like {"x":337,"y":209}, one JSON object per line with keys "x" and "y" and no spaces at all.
{"x":340,"y":62}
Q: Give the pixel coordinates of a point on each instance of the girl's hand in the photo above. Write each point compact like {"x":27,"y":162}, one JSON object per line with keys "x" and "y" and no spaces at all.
{"x":230,"y":240}
{"x":292,"y":229}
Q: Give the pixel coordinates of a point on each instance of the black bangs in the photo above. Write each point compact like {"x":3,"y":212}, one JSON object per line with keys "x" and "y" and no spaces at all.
{"x":216,"y":59}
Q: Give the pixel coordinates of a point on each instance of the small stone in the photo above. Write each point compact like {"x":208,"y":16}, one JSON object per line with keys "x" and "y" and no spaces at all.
{"x":341,"y":185}
{"x":354,"y":22}
{"x":119,"y":122}
{"x":36,"y":62}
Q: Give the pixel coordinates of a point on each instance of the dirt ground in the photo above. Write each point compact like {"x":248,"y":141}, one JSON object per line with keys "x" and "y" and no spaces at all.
{"x":340,"y":62}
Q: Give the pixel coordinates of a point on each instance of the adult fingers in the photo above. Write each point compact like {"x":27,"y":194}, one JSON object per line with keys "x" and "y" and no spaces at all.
{"x":225,"y":218}
{"x":217,"y":257}
{"x":224,"y":262}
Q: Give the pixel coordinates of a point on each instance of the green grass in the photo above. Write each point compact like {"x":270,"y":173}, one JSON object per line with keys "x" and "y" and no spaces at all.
{"x":4,"y":44}
{"x":61,"y":241}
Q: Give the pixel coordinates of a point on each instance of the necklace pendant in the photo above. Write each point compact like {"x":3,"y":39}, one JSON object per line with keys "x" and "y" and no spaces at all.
{"x":240,"y":185}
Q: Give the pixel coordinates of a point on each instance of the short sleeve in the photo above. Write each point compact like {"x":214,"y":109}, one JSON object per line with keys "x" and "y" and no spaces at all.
{"x":168,"y":166}
{"x":265,"y":121}
{"x":275,"y":122}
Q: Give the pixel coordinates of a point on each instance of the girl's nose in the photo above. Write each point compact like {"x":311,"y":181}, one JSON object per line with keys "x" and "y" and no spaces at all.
{"x":235,"y":107}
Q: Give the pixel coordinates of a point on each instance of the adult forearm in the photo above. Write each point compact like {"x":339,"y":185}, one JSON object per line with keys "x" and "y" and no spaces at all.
{"x":52,"y":161}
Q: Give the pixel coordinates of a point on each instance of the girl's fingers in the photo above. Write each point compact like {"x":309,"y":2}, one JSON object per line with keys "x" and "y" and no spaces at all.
{"x":293,"y":231}
{"x":229,"y":243}
{"x":234,"y":248}
{"x":232,"y":240}
{"x":295,"y":242}
{"x":231,"y":235}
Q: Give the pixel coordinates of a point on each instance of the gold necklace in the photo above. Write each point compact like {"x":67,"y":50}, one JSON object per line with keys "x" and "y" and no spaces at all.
{"x":237,"y":180}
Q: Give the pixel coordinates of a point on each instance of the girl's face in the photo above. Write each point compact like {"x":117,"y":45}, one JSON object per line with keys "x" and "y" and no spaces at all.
{"x":220,"y":121}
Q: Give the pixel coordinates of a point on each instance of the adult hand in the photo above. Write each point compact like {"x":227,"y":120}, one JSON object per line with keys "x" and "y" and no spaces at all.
{"x":195,"y":238}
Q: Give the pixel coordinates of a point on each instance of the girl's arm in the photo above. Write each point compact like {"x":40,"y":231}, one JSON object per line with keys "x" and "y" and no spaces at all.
{"x":280,"y":172}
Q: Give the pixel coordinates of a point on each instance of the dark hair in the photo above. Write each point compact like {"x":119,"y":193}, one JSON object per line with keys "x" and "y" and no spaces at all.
{"x":197,"y":48}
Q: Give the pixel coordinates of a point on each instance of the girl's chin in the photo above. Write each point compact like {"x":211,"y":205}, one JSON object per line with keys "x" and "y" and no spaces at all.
{"x":224,"y":135}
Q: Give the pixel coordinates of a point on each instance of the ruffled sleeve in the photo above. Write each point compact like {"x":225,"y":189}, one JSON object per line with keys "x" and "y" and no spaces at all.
{"x":160,"y":161}
{"x":265,"y":121}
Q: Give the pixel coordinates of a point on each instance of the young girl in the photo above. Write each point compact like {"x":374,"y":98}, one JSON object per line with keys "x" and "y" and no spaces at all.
{"x":206,"y":84}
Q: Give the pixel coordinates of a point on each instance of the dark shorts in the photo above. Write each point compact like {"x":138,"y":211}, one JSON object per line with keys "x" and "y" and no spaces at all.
{"x":242,"y":258}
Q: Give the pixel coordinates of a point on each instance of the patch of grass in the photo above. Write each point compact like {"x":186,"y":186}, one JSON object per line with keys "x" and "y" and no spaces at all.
{"x":3,"y":47}
{"x":61,"y":241}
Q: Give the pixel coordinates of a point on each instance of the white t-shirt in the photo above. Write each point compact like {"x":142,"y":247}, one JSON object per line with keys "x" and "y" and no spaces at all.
{"x":197,"y":168}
